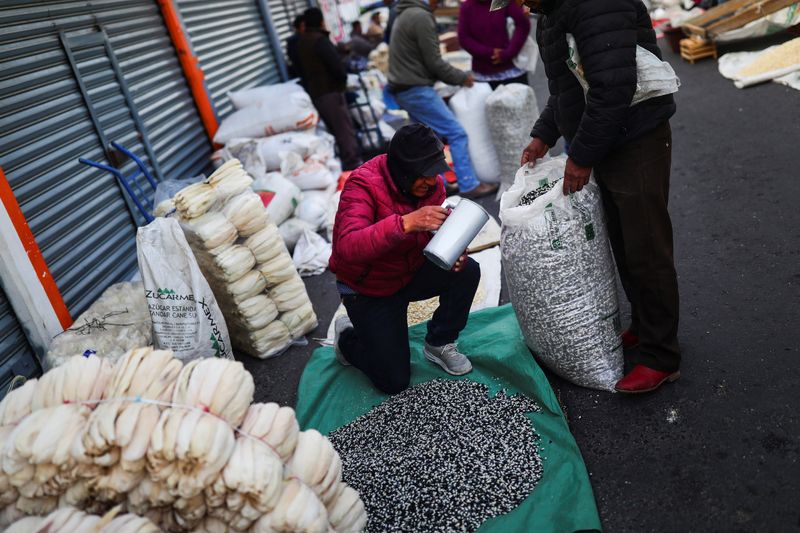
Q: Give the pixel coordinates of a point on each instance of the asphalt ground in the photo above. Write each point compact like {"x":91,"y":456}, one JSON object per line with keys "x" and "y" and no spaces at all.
{"x":717,"y":450}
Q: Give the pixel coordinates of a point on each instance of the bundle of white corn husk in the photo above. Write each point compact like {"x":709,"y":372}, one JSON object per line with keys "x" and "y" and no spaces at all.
{"x":72,"y":520}
{"x":246,"y":263}
{"x":180,"y":444}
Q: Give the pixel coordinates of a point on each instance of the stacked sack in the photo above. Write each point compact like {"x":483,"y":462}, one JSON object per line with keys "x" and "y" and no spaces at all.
{"x":242,"y":256}
{"x":181,"y":445}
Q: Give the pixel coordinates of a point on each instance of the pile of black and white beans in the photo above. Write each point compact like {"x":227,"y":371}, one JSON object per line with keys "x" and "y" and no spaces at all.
{"x":561,"y":277}
{"x":530,"y":197}
{"x":441,"y":456}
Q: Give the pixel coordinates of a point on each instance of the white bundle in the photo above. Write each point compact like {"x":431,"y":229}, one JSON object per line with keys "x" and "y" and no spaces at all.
{"x":232,"y":263}
{"x":268,"y":341}
{"x":146,"y":373}
{"x":278,"y":270}
{"x":230,"y":180}
{"x":109,"y":486}
{"x":164,"y":208}
{"x":298,"y":509}
{"x":347,"y":513}
{"x":469,"y":106}
{"x":195,"y":200}
{"x":248,"y":286}
{"x":255,"y":313}
{"x":17,"y":403}
{"x":304,"y":144}
{"x":309,"y":174}
{"x":292,"y":229}
{"x":253,"y":479}
{"x":267,"y":244}
{"x":71,"y":520}
{"x":8,"y":492}
{"x":300,"y":321}
{"x":211,"y":232}
{"x":79,"y":379}
{"x":116,"y":322}
{"x":278,"y":194}
{"x":149,"y":495}
{"x":275,"y":425}
{"x":188,"y":449}
{"x":220,"y":386}
{"x":316,"y":463}
{"x":289,"y":295}
{"x":36,"y":454}
{"x":246,"y":211}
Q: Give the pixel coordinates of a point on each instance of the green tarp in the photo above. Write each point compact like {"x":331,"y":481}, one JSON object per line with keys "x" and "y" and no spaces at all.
{"x":331,"y":395}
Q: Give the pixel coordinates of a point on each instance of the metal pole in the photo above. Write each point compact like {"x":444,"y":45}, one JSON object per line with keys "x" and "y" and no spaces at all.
{"x":277,"y":49}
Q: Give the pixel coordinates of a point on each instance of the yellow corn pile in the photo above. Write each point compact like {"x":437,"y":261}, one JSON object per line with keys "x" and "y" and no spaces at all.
{"x":783,"y":56}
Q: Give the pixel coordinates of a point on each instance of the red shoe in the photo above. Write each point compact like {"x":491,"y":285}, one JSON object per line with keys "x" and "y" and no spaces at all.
{"x":644,"y":379}
{"x":630,"y":340}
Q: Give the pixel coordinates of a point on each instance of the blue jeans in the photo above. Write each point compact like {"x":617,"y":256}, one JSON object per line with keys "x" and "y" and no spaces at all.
{"x":427,"y":107}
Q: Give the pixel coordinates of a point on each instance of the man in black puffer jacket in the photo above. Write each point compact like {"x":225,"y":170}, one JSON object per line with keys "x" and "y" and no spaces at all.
{"x":629,"y":148}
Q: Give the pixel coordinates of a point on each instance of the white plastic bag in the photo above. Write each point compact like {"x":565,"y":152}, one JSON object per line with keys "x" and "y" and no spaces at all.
{"x":511,"y":109}
{"x":280,"y":196}
{"x":654,"y":77}
{"x":185,"y":315}
{"x":561,"y":277}
{"x":307,"y":174}
{"x":528,"y":56}
{"x":311,"y":254}
{"x":292,"y":229}
{"x":301,"y":143}
{"x":294,"y":112}
{"x":264,"y":94}
{"x":469,"y":106}
{"x":313,"y":208}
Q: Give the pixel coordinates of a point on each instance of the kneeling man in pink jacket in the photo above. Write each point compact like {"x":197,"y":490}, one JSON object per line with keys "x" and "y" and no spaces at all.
{"x":387,"y":210}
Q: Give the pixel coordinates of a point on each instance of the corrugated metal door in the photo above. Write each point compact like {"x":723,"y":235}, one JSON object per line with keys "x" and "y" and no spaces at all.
{"x":78,"y":214}
{"x":283,"y":14}
{"x":16,"y":355}
{"x":230,"y":39}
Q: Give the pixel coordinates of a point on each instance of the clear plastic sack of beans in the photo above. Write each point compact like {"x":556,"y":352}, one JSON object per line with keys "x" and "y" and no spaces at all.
{"x":560,"y":274}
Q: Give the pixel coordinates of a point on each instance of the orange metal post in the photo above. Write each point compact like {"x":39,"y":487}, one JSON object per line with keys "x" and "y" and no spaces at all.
{"x":34,"y":254}
{"x":190,"y":65}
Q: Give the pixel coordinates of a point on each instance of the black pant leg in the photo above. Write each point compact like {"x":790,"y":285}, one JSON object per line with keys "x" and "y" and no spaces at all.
{"x":332,"y":108}
{"x":635,"y":180}
{"x":455,"y":290}
{"x":378,"y":343}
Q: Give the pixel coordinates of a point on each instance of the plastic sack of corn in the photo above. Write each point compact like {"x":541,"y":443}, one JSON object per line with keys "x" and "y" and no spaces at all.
{"x":560,"y":274}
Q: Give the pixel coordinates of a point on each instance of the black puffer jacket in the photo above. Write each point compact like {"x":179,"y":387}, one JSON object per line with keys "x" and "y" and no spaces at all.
{"x":606,"y":32}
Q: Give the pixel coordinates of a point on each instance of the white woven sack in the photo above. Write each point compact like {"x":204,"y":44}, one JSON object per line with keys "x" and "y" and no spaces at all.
{"x":561,"y":277}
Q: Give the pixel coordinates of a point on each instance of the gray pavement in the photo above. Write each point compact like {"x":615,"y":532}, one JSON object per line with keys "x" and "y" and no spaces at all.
{"x":718,"y":450}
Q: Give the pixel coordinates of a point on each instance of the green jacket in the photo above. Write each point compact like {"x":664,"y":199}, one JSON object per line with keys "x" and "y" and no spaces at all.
{"x":414,"y":56}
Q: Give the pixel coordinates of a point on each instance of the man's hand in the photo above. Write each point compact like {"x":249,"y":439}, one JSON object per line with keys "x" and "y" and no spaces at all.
{"x":429,"y":218}
{"x":497,"y":56}
{"x":575,"y":176}
{"x":460,"y":262}
{"x":470,"y":81}
{"x":537,"y":149}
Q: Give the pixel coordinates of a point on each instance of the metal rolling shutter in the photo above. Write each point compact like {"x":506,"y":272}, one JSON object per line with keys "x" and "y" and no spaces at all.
{"x":77,"y":214}
{"x":230,"y":39}
{"x":283,"y":14}
{"x":16,"y":355}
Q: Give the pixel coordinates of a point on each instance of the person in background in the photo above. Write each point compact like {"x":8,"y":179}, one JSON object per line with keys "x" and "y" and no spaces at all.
{"x":359,"y":45}
{"x":325,"y":79}
{"x":375,"y":30}
{"x":387,"y":210}
{"x":291,"y":46}
{"x":484,"y":34}
{"x":629,"y":148}
{"x":415,"y":64}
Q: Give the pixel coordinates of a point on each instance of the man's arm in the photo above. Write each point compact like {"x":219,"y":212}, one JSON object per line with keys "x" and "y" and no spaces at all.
{"x":330,"y":56}
{"x":545,"y":127}
{"x":428,"y":42}
{"x":605,"y":33}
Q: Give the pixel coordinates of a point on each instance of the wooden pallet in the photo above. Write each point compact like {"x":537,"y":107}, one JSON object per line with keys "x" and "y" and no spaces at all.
{"x":693,"y":49}
{"x":732,"y":15}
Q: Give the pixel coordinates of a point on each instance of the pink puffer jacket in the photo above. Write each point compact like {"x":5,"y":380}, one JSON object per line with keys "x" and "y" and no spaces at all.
{"x":371,"y":254}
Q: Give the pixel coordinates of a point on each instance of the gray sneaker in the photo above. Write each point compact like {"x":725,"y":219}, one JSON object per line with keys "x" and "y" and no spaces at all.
{"x":340,"y":324}
{"x":449,"y":358}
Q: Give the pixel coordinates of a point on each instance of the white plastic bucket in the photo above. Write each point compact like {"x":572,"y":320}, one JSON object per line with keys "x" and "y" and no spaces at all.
{"x":451,"y":241}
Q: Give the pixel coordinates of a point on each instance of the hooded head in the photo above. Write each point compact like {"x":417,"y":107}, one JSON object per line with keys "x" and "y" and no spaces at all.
{"x":415,"y":152}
